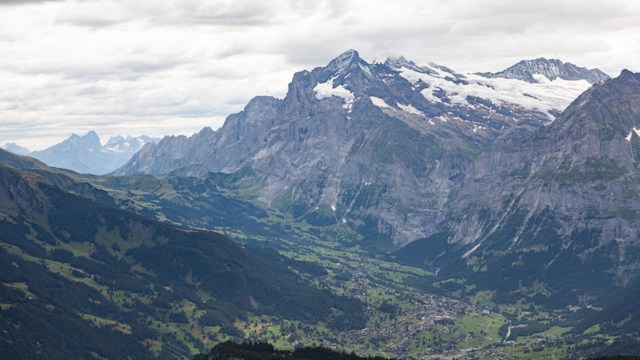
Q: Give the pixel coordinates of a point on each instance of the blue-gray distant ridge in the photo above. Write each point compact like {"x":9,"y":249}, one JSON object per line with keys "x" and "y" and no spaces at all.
{"x":85,"y":154}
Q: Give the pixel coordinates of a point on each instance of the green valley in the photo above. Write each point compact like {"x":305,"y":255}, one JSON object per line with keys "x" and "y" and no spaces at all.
{"x":408,"y":309}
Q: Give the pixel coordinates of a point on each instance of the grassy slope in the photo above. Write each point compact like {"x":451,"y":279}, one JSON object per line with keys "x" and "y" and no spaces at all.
{"x":179,"y":289}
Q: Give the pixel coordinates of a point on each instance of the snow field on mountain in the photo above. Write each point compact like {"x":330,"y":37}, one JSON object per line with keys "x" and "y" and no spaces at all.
{"x":546,"y":96}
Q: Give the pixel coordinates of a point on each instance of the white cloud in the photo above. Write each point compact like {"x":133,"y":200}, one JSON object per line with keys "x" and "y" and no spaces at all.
{"x":168,"y":67}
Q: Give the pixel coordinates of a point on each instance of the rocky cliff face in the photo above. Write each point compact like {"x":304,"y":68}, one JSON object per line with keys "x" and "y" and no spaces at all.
{"x":561,"y":208}
{"x":537,"y":70}
{"x":582,"y":164}
{"x":369,"y":145}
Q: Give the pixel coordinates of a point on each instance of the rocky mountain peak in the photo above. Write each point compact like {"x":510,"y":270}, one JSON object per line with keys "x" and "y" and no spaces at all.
{"x":86,"y":154}
{"x":623,"y":90}
{"x":533,"y":70}
{"x":567,"y":190}
{"x":627,"y":81}
{"x":116,"y":140}
{"x":345,"y":61}
{"x":348,"y":69}
{"x":352,"y":138}
{"x":610,"y":109}
{"x":398,"y":62}
{"x":90,"y":140}
{"x":127,"y":144}
{"x":624,"y":87}
{"x":402,"y":62}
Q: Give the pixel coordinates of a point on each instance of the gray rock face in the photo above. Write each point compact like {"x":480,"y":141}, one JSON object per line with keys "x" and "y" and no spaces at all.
{"x":359,"y":143}
{"x":551,"y":69}
{"x":572,"y":189}
{"x":85,"y":154}
{"x":555,"y":217}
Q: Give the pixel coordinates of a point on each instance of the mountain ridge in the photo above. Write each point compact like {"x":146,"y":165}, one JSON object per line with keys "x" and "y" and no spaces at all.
{"x":527,"y":70}
{"x":122,"y":272}
{"x":86,"y":154}
{"x":532,"y":217}
{"x":347,"y":141}
{"x":559,"y":209}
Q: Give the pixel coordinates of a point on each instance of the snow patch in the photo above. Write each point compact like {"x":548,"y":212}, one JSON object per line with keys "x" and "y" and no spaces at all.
{"x":365,"y":69}
{"x":636,"y":130}
{"x":410,"y":109}
{"x":379,"y":102}
{"x":327,"y":89}
{"x":119,"y":144}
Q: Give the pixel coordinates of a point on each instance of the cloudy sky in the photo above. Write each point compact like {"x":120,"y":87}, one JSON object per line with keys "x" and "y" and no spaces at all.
{"x":172,"y":67}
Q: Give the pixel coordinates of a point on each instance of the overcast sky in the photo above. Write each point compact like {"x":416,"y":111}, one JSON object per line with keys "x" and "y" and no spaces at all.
{"x":172,"y":67}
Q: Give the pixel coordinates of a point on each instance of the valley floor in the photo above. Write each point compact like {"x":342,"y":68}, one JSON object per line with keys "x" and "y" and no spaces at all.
{"x":405,"y":321}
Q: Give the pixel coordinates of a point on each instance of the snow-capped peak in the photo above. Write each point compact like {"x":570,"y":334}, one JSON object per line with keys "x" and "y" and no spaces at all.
{"x":402,"y":62}
{"x":551,"y":69}
{"x":127,"y":144}
{"x":451,"y":88}
{"x":344,"y":61}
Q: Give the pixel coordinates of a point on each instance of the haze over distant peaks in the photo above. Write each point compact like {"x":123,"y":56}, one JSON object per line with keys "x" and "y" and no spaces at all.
{"x":15,"y":148}
{"x":531,"y":70}
{"x":86,"y":154}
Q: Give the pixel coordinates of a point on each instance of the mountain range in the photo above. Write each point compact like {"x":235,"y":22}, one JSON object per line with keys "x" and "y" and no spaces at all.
{"x":475,"y":167}
{"x":379,"y":147}
{"x":554,"y":216}
{"x":515,"y":192}
{"x":537,"y":70}
{"x":86,"y":154}
{"x":513,"y":184}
